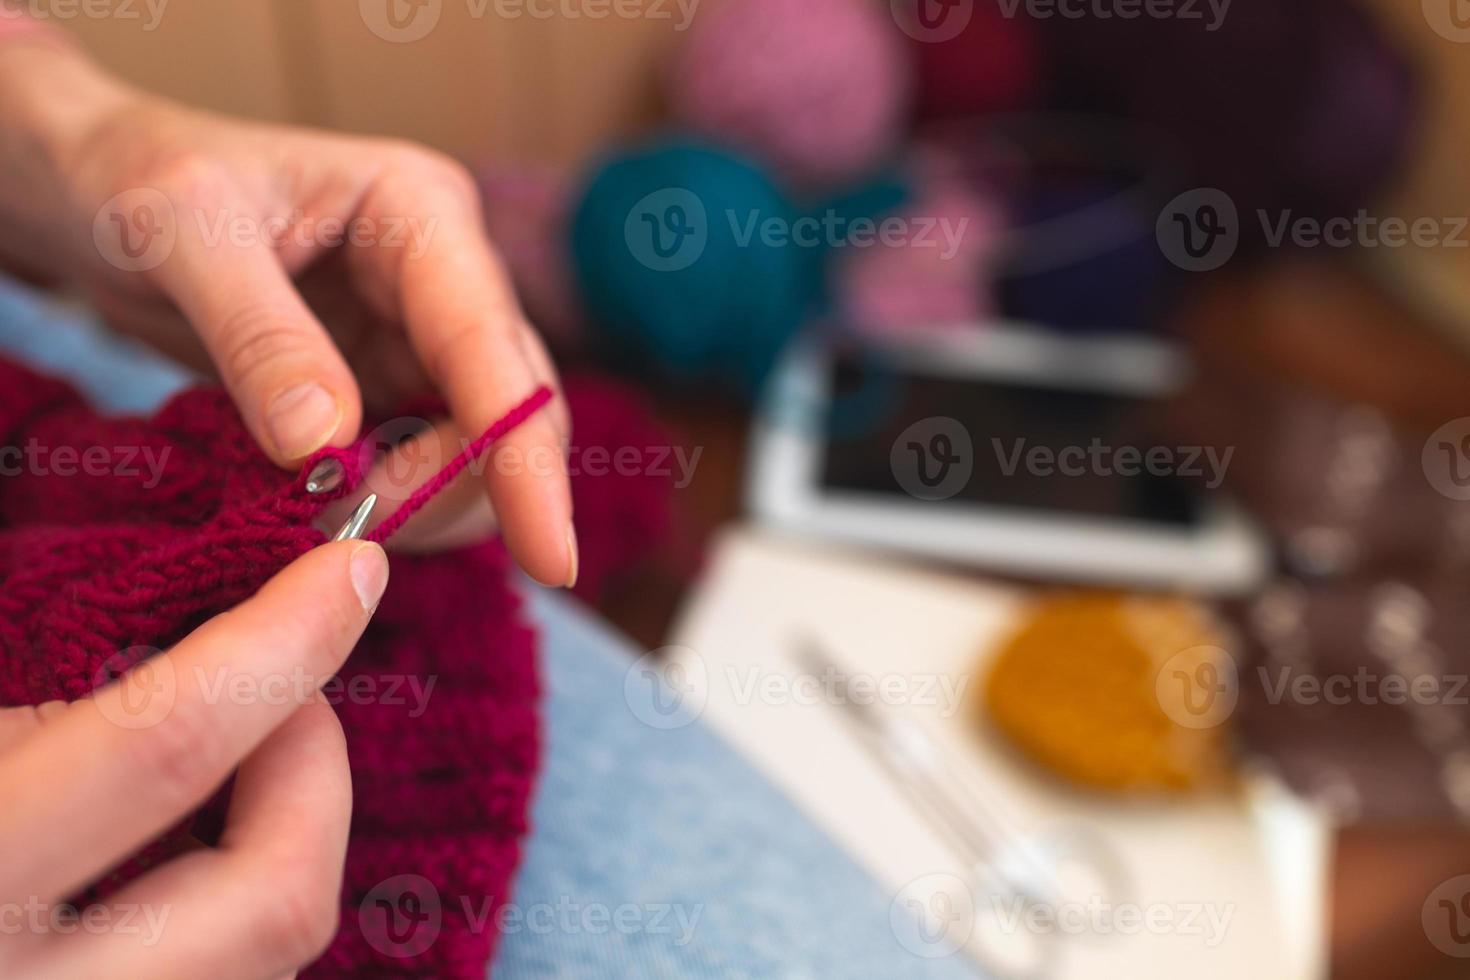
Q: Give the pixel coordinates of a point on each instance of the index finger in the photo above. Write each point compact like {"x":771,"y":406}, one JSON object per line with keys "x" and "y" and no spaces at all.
{"x":122,"y":766}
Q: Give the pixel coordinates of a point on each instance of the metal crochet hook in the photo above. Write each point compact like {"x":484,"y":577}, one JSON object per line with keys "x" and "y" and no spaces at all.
{"x":1003,"y":860}
{"x":355,"y":525}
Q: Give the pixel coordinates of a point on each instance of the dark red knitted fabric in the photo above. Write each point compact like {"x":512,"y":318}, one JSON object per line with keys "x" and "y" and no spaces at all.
{"x":97,"y":571}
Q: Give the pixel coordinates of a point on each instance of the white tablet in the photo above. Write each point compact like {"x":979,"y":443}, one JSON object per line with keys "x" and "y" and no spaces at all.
{"x":1007,"y":448}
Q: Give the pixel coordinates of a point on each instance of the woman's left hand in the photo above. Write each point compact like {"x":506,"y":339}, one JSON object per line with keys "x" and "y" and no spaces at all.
{"x":312,"y":271}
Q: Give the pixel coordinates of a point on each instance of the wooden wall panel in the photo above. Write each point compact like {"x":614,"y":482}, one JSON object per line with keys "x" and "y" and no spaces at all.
{"x":489,"y":79}
{"x":222,"y":54}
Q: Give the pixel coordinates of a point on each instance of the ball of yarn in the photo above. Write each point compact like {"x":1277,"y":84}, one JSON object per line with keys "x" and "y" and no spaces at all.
{"x":993,"y":65}
{"x":817,"y":89}
{"x":1104,"y":273}
{"x":624,"y":514}
{"x":526,"y":214}
{"x":1086,"y":687}
{"x":673,"y":260}
{"x":1304,"y":105}
{"x":934,"y":272}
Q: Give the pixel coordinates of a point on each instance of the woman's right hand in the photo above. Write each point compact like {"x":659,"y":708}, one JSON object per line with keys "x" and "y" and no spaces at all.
{"x":84,"y":785}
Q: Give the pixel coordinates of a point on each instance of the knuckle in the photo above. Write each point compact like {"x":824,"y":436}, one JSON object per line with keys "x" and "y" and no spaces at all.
{"x":447,"y":353}
{"x":300,"y":915}
{"x":185,"y":753}
{"x":189,"y":176}
{"x":255,"y":339}
{"x":422,"y":164}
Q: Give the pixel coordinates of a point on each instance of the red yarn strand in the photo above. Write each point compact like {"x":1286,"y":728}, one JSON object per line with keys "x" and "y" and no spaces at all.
{"x":472,"y":452}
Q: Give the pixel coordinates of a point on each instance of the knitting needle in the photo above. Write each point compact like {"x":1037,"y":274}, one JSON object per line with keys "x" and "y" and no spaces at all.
{"x":358,"y":521}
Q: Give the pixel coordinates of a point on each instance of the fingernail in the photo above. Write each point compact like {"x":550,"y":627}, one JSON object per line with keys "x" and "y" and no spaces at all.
{"x":572,"y":556}
{"x":368,"y":568}
{"x":301,"y":419}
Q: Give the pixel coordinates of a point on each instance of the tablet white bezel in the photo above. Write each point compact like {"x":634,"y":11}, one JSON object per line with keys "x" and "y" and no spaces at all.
{"x":1225,"y":553}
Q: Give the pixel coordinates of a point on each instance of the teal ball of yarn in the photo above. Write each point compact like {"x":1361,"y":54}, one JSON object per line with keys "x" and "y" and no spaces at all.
{"x":683,"y":255}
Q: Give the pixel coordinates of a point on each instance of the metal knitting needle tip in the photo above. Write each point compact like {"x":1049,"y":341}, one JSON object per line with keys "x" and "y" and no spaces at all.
{"x":355,"y":524}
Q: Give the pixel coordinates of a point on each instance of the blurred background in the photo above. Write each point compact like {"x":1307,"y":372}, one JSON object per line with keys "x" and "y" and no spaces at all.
{"x":1112,"y":354}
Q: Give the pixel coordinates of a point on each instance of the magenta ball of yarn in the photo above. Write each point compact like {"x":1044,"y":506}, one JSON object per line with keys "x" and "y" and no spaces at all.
{"x":937,"y":275}
{"x":817,"y":89}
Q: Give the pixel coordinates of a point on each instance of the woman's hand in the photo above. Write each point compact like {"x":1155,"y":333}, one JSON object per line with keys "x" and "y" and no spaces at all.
{"x":83,"y":786}
{"x":311,"y":270}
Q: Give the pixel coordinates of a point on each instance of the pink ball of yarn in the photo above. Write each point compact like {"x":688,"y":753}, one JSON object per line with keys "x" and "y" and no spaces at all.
{"x":526,"y":214}
{"x":818,"y":89}
{"x":939,"y":278}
